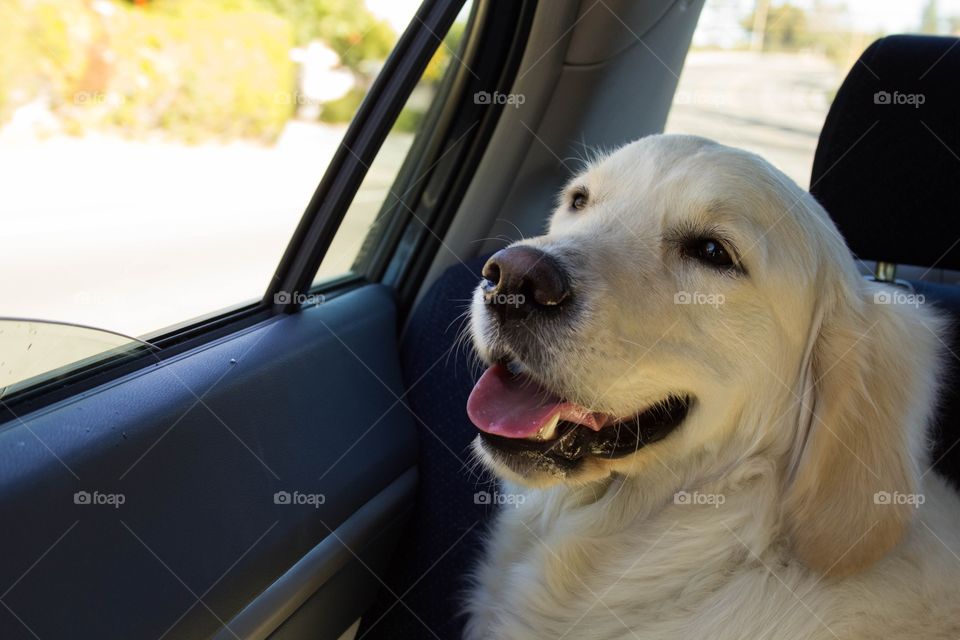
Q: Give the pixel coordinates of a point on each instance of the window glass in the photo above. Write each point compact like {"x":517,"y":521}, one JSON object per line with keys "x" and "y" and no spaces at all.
{"x":31,"y":352}
{"x":157,"y":154}
{"x":761,"y":74}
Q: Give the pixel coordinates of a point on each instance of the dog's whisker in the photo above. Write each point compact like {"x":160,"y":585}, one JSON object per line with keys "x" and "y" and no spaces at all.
{"x":520,"y":234}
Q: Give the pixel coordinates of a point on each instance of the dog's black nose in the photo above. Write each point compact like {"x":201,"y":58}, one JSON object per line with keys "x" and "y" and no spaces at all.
{"x":520,"y":280}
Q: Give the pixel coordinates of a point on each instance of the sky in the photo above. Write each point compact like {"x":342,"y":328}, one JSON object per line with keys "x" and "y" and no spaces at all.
{"x":887,"y":16}
{"x":869,"y":16}
{"x":397,"y":12}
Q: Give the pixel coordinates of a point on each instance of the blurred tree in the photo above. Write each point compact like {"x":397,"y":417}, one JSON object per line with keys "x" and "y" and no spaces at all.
{"x":953,"y":25}
{"x":759,"y":24}
{"x":784,"y":29}
{"x":929,"y":19}
{"x":343,"y":109}
{"x":445,"y":52}
{"x":347,"y":26}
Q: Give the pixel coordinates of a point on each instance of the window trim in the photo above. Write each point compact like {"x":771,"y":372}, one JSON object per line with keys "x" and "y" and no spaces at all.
{"x":380,"y":244}
{"x":75,"y":381}
{"x":472,"y":124}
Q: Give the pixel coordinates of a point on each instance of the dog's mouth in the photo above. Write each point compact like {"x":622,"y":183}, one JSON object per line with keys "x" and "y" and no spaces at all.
{"x":517,"y":416}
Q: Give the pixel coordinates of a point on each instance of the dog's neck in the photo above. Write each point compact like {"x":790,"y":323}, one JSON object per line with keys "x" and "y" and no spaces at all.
{"x":628,"y":502}
{"x":724,"y":523}
{"x":732,"y":493}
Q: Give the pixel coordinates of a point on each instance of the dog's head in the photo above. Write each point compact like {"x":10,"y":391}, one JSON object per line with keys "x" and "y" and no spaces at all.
{"x":690,"y":307}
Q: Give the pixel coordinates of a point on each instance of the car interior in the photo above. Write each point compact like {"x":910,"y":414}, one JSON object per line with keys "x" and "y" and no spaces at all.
{"x":299,"y":467}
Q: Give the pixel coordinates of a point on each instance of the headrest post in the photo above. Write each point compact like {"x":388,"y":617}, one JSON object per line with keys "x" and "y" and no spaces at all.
{"x":885,"y":272}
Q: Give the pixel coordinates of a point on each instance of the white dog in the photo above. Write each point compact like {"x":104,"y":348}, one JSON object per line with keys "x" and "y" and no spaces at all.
{"x":715,"y":427}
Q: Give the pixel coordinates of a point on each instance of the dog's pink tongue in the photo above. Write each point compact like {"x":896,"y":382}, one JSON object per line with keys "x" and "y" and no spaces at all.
{"x":516,"y":407}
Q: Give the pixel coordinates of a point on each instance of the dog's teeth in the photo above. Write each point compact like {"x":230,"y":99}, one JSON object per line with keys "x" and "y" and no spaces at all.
{"x":549,"y":430}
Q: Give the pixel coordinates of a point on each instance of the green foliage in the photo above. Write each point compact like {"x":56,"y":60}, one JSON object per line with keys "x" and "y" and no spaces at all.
{"x":791,"y":29}
{"x":929,"y":19}
{"x":192,"y":68}
{"x":786,"y":28}
{"x":444,"y":54}
{"x":218,"y":71}
{"x":409,"y":120}
{"x":342,"y":109}
{"x":347,"y":26}
{"x":35,"y":53}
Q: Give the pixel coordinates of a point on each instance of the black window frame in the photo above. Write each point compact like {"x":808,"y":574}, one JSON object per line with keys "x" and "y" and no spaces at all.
{"x":436,"y":174}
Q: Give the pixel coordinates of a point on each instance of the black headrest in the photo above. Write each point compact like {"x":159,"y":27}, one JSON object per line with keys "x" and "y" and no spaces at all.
{"x":887,"y":166}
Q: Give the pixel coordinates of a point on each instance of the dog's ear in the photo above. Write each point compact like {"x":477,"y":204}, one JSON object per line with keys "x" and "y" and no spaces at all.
{"x":872,"y":379}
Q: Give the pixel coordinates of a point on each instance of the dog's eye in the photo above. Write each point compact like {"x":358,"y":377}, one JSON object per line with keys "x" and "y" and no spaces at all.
{"x":579,"y":200}
{"x":709,"y":251}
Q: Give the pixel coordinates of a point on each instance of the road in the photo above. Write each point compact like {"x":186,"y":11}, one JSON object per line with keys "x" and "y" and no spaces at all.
{"x":771,"y":104}
{"x":138,"y":236}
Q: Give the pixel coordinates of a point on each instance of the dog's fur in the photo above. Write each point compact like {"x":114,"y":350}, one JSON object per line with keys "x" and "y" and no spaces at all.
{"x":810,"y":401}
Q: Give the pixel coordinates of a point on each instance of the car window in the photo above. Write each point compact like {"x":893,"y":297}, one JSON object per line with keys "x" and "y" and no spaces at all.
{"x":761,"y":75}
{"x":157,"y":155}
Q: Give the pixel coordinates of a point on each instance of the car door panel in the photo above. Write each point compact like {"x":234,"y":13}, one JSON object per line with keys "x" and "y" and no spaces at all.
{"x":147,"y":506}
{"x":335,"y":603}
